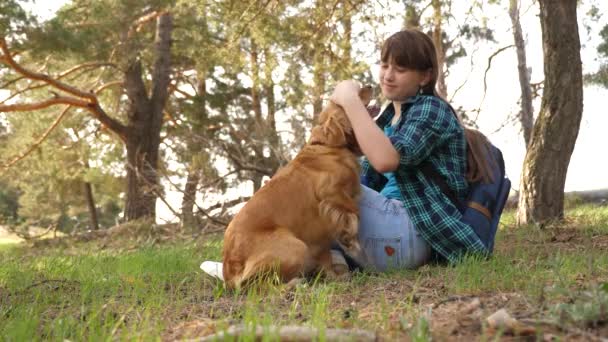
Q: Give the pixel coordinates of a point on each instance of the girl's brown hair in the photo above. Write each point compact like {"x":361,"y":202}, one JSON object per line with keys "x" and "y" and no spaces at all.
{"x":413,"y":49}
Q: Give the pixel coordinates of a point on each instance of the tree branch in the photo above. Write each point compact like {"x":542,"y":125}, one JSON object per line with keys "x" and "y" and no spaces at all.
{"x":14,"y":80}
{"x":292,"y":333}
{"x":88,"y":101}
{"x":60,"y":76}
{"x":42,"y":77}
{"x":247,"y":24}
{"x":230,"y":203}
{"x":485,"y":75}
{"x":107,"y":85}
{"x":24,"y":107}
{"x":39,"y":141}
{"x":141,"y":21}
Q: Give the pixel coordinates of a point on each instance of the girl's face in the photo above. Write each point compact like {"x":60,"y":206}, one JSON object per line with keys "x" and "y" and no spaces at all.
{"x":399,"y":83}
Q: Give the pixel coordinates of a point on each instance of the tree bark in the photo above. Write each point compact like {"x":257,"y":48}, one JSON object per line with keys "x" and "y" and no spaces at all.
{"x":343,"y":65}
{"x":195,"y":147}
{"x":256,"y":103}
{"x":442,"y":88}
{"x":318,"y":64}
{"x":412,"y":17}
{"x":556,"y":129}
{"x":145,"y":123}
{"x":526,"y":115}
{"x":88,"y":193}
{"x":189,"y":198}
{"x":318,"y":81}
{"x":271,"y":123}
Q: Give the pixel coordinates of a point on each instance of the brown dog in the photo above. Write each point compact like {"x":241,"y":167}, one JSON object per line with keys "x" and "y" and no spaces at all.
{"x":289,"y":225}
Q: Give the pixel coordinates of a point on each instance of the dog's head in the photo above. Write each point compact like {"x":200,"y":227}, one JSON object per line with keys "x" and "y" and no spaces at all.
{"x":334,"y":128}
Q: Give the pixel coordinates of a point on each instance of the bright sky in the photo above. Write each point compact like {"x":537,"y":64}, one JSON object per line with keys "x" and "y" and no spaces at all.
{"x":587,"y":170}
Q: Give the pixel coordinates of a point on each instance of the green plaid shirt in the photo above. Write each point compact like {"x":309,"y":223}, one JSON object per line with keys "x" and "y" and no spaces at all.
{"x":429,"y":131}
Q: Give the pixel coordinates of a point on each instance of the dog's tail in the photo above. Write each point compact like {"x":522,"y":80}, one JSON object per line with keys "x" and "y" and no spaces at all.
{"x":261,"y":267}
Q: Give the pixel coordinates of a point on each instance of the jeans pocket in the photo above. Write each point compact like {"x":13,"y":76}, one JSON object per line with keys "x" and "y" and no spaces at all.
{"x":383,"y":253}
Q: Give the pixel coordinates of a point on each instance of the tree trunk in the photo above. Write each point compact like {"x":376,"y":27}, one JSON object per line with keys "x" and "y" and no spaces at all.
{"x":142,"y":180}
{"x":556,"y":129}
{"x":412,"y":17}
{"x":526,"y":116}
{"x":274,"y":142}
{"x":261,"y":132}
{"x":256,"y":103}
{"x":145,"y":123}
{"x":88,"y":193}
{"x":344,"y":65}
{"x":195,"y":147}
{"x":442,"y":88}
{"x":318,"y":79}
{"x":190,"y":196}
{"x":318,"y":63}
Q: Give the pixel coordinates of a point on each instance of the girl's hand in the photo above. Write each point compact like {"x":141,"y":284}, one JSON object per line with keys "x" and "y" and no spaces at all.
{"x":345,"y":92}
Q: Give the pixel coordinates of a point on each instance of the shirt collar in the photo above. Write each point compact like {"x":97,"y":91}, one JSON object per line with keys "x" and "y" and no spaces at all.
{"x":389,"y":111}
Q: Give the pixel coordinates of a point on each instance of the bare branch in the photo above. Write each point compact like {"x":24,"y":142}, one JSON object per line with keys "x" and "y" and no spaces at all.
{"x":174,"y":88}
{"x":24,"y":107}
{"x":42,"y":84}
{"x":246,"y":25}
{"x":42,"y":77}
{"x":509,"y":120}
{"x":71,"y":103}
{"x":89,"y":100}
{"x":39,"y":141}
{"x":107,"y":85}
{"x":467,"y":78}
{"x":211,"y":218}
{"x":230,"y":203}
{"x":485,"y":75}
{"x":141,"y":21}
{"x":8,"y":83}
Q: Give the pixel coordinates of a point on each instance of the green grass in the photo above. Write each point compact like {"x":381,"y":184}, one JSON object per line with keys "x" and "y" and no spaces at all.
{"x":158,"y":292}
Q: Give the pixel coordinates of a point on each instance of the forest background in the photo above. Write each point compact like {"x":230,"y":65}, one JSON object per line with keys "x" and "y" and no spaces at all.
{"x":118,"y":113}
{"x":125,"y":129}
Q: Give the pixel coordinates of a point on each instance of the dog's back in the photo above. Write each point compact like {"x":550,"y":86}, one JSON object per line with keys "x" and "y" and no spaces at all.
{"x":281,"y":226}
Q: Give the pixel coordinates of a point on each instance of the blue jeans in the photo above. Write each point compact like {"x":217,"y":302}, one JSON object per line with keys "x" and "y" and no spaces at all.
{"x":387,"y":236}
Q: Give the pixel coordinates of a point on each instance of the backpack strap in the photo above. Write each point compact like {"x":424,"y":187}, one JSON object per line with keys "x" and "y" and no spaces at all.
{"x":428,"y":170}
{"x":479,"y":207}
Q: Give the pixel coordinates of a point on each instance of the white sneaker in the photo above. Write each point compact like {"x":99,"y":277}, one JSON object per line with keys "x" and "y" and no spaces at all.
{"x":213,"y":268}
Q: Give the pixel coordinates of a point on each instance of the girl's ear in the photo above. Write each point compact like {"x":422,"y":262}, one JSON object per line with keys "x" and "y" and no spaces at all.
{"x":426,"y":78}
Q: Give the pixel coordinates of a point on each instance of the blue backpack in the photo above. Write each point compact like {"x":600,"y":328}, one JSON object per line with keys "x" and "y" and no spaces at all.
{"x":485,"y":201}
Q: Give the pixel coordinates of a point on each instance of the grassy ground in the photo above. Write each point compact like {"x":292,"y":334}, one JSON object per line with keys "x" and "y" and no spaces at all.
{"x":554,"y":280}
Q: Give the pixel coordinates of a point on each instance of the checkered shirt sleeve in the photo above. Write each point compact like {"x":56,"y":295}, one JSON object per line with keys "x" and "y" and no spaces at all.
{"x":429,"y":131}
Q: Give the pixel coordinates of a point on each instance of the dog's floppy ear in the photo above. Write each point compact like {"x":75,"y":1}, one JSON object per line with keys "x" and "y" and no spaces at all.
{"x":329,"y":134}
{"x":317,"y":137}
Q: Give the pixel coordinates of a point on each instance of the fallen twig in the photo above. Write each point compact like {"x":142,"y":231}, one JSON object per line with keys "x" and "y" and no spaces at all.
{"x":452,"y":299}
{"x":291,"y":333}
{"x":46,"y":281}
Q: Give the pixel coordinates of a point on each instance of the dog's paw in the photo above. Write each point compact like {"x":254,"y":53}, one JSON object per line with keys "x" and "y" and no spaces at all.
{"x":337,"y":273}
{"x":339,"y":270}
{"x":293,"y":283}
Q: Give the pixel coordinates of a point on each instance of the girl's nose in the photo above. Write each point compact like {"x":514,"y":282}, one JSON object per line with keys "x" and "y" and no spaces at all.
{"x":389,"y":73}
